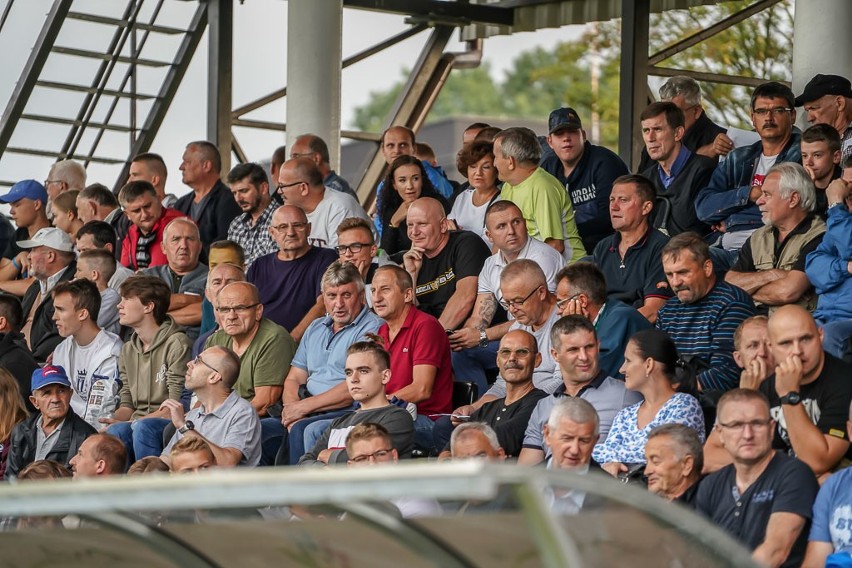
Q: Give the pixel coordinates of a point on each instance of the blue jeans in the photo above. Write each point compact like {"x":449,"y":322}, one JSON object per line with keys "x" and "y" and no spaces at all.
{"x":423,"y":438}
{"x":272,"y":433}
{"x":142,"y":438}
{"x":293,"y":443}
{"x":471,"y":364}
{"x":836,"y":337}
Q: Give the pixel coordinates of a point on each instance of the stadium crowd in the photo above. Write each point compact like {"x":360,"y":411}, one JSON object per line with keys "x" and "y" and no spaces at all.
{"x":686,"y":326}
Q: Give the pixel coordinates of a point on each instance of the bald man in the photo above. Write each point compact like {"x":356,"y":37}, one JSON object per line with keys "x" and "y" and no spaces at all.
{"x":443,"y":264}
{"x":300,"y":183}
{"x":809,"y":394}
{"x":289,"y":280}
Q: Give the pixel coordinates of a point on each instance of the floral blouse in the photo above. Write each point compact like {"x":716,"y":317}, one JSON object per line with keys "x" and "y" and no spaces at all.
{"x":625,"y":442}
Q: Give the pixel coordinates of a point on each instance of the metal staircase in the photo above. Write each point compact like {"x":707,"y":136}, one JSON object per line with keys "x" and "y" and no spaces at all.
{"x":98,"y":81}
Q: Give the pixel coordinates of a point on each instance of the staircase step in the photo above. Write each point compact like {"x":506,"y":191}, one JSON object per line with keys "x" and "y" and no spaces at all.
{"x":48,"y":154}
{"x":72,"y":122}
{"x":117,"y":22}
{"x":107,"y":56}
{"x":93,"y":90}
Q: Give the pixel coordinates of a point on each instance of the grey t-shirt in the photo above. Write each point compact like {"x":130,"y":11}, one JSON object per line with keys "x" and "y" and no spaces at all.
{"x":233,"y":425}
{"x":606,"y":394}
{"x":108,"y":314}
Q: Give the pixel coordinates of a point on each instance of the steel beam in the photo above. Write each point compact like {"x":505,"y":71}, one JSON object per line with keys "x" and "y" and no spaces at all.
{"x":709,"y":77}
{"x":635,"y":17}
{"x":413,"y":102}
{"x":32,"y":70}
{"x":701,"y":35}
{"x":219,"y":90}
{"x":440,"y":11}
{"x":168,"y":89}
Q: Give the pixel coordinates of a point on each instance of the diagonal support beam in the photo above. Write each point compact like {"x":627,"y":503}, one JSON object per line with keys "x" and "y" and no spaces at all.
{"x":701,"y":35}
{"x":32,"y":70}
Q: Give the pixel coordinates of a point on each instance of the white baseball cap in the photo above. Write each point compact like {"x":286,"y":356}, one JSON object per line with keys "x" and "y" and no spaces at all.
{"x":50,"y":237}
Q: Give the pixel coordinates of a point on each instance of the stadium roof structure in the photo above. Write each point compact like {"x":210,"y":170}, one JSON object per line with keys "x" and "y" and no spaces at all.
{"x":480,"y":515}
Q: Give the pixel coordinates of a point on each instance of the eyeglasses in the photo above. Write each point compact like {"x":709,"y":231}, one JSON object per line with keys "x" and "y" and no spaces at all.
{"x":286,"y":185}
{"x":520,"y":353}
{"x":47,"y":182}
{"x":561,"y":303}
{"x":301,"y":155}
{"x":509,"y":304}
{"x":284,"y":227}
{"x":198,"y":360}
{"x":353,"y":248}
{"x":375,"y":456}
{"x":740,"y":426}
{"x":225,"y":310}
{"x":777,"y":111}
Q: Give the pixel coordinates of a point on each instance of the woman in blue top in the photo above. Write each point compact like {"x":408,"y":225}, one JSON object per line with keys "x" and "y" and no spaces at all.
{"x":652,"y":368}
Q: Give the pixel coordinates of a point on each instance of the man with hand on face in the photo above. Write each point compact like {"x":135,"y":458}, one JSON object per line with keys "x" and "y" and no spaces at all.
{"x":54,"y":432}
{"x":764,"y":498}
{"x":752,"y":351}
{"x":675,"y":458}
{"x":809,"y":395}
{"x":367,"y":374}
{"x":821,"y":159}
{"x":250,"y":188}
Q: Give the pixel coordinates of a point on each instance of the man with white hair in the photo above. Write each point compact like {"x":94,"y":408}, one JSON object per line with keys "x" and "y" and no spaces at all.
{"x":771,"y":265}
{"x":675,"y":457}
{"x":65,"y":175}
{"x":476,"y":440}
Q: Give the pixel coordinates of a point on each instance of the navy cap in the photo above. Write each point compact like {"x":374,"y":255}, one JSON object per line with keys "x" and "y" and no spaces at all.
{"x":563,"y":118}
{"x":29,"y":188}
{"x":822,"y":85}
{"x":49,"y":375}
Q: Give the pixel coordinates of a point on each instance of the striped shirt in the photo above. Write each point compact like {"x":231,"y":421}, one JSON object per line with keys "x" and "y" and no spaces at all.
{"x":705,"y":329}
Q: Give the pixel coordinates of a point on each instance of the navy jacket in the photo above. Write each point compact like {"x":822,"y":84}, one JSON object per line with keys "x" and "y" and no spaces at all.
{"x":589,"y":186}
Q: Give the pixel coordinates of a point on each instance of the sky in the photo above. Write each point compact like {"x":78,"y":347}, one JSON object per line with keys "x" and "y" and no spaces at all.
{"x":260,"y":28}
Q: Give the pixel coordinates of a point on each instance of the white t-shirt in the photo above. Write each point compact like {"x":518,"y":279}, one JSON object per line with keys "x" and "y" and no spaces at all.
{"x":469,"y":216}
{"x":544,"y":255}
{"x":334,"y":208}
{"x":82,"y":363}
{"x":763,"y":165}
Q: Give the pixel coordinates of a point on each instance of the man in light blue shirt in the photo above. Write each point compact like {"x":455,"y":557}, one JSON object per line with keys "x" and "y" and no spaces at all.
{"x":315,"y":388}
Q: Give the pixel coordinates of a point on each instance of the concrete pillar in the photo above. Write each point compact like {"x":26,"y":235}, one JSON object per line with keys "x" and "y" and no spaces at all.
{"x":314,"y":64}
{"x":821,"y":40}
{"x":220,"y":14}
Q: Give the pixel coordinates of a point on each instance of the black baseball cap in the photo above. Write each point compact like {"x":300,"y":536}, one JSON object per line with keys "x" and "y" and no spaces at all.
{"x":822,"y":85}
{"x":563,"y":118}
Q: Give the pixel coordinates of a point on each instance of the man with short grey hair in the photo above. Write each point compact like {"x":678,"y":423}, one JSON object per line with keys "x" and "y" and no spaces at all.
{"x":540,"y":196}
{"x":314,"y":148}
{"x":65,"y":175}
{"x":184,"y":274}
{"x":476,"y":440}
{"x":771,"y":265}
{"x":701,"y":135}
{"x":675,"y":458}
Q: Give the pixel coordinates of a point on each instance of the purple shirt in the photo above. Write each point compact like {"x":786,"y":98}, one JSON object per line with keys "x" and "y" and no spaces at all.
{"x":289,"y":288}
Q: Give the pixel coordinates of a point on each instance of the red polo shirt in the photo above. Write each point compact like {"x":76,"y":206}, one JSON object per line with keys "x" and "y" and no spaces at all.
{"x":421,"y":341}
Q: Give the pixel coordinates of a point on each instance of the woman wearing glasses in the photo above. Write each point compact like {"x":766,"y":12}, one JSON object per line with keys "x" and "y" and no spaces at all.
{"x":651,"y":368}
{"x":405,"y":183}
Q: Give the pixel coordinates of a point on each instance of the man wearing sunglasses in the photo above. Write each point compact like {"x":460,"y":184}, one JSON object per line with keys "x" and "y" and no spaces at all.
{"x":729,"y":203}
{"x":223,"y":419}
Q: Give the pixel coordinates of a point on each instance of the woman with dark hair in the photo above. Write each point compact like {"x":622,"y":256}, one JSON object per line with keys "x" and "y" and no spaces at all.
{"x":405,"y":183}
{"x":476,"y":163}
{"x":12,"y":413}
{"x":652,"y":368}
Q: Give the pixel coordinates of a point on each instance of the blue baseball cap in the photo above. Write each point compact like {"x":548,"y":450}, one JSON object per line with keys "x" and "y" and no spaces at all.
{"x":49,"y":375}
{"x":29,"y":188}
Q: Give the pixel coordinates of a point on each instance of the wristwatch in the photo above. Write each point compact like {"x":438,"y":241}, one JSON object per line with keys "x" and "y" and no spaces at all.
{"x":187,"y":426}
{"x":792,"y":398}
{"x":483,"y":338}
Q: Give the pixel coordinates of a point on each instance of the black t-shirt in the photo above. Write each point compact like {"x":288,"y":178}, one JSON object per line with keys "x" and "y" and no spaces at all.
{"x":509,"y":422}
{"x":826,"y":401}
{"x":463,"y":256}
{"x":745,"y":262}
{"x":787,"y":485}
